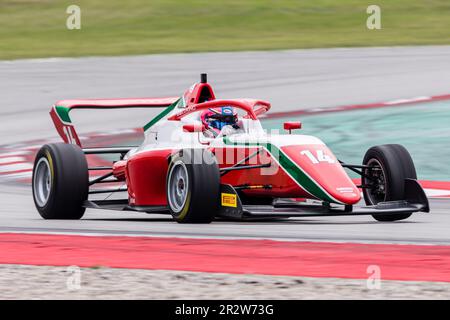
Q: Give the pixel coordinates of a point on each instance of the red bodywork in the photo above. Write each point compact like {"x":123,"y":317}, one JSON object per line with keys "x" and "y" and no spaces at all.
{"x":146,"y":176}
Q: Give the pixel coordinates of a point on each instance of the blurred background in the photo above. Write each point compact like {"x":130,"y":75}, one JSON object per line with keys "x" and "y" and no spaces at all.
{"x":291,"y":80}
{"x":37,"y":28}
{"x":353,"y":76}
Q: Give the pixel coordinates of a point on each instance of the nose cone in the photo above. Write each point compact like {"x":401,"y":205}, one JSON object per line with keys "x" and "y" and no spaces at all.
{"x":347,"y":195}
{"x":321,"y":174}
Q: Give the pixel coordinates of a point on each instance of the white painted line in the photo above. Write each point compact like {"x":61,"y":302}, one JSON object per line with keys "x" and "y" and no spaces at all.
{"x":316,"y":110}
{"x":17,"y":176}
{"x":400,"y":101}
{"x":14,"y":154}
{"x":34,"y":146}
{"x":437,"y":193}
{"x":13,"y":168}
{"x":11,"y":160}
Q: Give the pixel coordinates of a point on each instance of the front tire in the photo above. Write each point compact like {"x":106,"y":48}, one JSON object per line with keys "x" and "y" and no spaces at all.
{"x":60,"y":181}
{"x":193,"y":186}
{"x":391,"y":164}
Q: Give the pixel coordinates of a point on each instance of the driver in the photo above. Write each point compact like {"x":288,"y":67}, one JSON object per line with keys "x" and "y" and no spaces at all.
{"x":223,"y":119}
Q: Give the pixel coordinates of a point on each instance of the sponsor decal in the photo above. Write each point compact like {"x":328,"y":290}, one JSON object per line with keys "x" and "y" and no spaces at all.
{"x":228,"y":200}
{"x":345,"y":190}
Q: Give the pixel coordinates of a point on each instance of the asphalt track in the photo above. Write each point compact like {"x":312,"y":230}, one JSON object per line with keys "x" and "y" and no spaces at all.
{"x":18,"y":215}
{"x":289,"y":79}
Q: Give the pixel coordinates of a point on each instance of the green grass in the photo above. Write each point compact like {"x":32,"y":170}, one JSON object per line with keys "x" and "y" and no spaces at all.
{"x":37,"y":28}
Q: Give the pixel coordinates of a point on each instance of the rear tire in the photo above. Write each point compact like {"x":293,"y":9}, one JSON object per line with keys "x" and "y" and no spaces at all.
{"x":60,"y":181}
{"x":394,"y":165}
{"x":193,"y":186}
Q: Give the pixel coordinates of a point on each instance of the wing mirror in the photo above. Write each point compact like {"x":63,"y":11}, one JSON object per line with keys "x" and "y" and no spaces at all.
{"x":194,"y":127}
{"x":289,"y":126}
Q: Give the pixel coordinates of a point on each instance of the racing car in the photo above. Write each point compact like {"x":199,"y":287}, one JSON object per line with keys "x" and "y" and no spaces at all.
{"x":205,"y":158}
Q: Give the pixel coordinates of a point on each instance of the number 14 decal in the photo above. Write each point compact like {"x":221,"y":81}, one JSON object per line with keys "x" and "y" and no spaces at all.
{"x":320,"y":157}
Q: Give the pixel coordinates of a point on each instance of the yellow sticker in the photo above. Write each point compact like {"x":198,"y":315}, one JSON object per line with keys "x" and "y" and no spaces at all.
{"x":50,"y":163}
{"x":229,"y":200}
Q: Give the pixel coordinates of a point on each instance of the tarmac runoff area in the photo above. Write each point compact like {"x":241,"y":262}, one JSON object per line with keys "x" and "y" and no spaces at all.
{"x":291,"y":80}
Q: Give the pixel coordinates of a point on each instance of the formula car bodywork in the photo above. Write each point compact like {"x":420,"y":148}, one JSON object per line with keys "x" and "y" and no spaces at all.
{"x":251,"y":174}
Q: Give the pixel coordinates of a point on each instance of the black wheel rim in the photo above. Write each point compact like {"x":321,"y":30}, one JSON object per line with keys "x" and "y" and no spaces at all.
{"x":376,"y":182}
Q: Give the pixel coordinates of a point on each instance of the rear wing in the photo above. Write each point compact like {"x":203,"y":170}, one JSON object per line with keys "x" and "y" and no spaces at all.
{"x":60,"y":111}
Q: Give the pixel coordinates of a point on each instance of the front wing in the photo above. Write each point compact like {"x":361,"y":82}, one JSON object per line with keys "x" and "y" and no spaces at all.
{"x":415,"y":201}
{"x":232,"y":207}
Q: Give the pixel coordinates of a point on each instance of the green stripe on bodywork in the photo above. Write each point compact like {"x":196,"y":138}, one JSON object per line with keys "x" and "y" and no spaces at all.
{"x":302,"y":178}
{"x":161,"y":115}
{"x":292,"y":168}
{"x":63,"y":113}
